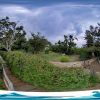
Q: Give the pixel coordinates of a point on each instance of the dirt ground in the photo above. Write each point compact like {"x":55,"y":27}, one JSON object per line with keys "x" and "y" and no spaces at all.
{"x":68,"y":64}
{"x":19,"y":85}
{"x":95,"y":66}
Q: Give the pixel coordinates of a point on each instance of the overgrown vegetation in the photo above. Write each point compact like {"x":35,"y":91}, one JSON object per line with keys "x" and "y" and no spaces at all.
{"x":34,"y":66}
{"x":1,"y":85}
{"x":66,"y":46}
{"x":52,"y":56}
{"x":40,"y":73}
{"x":12,"y":37}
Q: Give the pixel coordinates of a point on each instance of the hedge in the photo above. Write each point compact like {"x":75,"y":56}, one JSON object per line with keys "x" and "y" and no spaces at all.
{"x":40,"y":73}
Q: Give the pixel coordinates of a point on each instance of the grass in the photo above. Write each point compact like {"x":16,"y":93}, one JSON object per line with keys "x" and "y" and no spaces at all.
{"x":51,"y":56}
{"x":64,"y":59}
{"x":40,"y":73}
{"x":1,"y":84}
{"x":57,"y":57}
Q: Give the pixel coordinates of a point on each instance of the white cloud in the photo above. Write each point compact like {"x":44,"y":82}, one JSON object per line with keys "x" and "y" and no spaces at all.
{"x":14,"y":9}
{"x":55,"y":21}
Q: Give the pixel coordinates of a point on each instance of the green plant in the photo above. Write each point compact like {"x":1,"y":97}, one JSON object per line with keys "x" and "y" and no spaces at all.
{"x":94,"y":79}
{"x":40,"y":73}
{"x":64,"y":59}
{"x":46,"y":50}
{"x":1,"y":84}
{"x":84,"y":56}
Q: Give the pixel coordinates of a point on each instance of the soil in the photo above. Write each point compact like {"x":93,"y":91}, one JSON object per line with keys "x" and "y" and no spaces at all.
{"x":68,"y":64}
{"x":19,"y":85}
{"x":95,"y":66}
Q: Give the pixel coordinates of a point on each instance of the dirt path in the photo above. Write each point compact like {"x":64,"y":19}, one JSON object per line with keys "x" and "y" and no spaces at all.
{"x":95,"y":66}
{"x":20,"y":85}
{"x":91,"y":63}
{"x":68,"y":64}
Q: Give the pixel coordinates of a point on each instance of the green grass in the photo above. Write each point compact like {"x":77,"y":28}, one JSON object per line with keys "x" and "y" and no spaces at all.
{"x":51,"y":56}
{"x":57,"y":57}
{"x":64,"y":59}
{"x":40,"y":73}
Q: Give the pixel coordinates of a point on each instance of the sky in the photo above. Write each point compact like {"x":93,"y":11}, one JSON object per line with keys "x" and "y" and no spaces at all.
{"x":53,"y":18}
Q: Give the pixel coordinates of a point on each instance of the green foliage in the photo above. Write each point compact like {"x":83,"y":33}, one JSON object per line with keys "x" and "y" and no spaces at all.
{"x":1,"y":84}
{"x":37,"y":43}
{"x":21,"y":42}
{"x":65,"y":46}
{"x":3,"y":53}
{"x":84,"y":53}
{"x":9,"y":32}
{"x":64,"y":59}
{"x":92,"y":37}
{"x":78,"y":50}
{"x":50,"y":57}
{"x":1,"y":67}
{"x":40,"y":73}
{"x":94,"y":79}
{"x":47,"y":50}
{"x":83,"y":56}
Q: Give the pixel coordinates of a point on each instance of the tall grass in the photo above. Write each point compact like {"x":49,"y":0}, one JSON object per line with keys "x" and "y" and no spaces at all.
{"x":40,"y":73}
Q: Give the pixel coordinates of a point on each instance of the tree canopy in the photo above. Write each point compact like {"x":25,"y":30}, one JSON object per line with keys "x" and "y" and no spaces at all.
{"x":9,"y":32}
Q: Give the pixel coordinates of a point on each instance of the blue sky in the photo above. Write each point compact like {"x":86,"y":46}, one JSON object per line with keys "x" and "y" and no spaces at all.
{"x":53,"y":18}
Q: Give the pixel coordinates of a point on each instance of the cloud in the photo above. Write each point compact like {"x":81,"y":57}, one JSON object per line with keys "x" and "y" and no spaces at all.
{"x":15,"y":9}
{"x":56,"y":20}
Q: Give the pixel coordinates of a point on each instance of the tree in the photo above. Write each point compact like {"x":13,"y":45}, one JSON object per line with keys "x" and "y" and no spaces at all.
{"x":92,"y":37}
{"x":71,"y":43}
{"x":65,"y":46}
{"x":21,"y":42}
{"x":89,"y":37}
{"x":37,"y":42}
{"x":8,"y":33}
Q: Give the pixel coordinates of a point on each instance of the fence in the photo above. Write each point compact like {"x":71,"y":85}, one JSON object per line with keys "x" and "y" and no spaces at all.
{"x":6,"y":79}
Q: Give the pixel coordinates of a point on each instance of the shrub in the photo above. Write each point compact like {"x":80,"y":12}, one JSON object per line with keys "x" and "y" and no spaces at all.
{"x":64,"y":59}
{"x":46,"y":51}
{"x":40,"y":73}
{"x":94,"y":79}
{"x":1,"y":84}
{"x":83,"y":56}
{"x":3,"y":54}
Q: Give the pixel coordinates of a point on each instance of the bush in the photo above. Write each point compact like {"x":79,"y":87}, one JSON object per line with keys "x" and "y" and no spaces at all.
{"x":3,"y":53}
{"x":1,"y":84}
{"x":84,"y":56}
{"x":64,"y":59}
{"x":94,"y":79}
{"x":46,"y":51}
{"x":38,"y":72}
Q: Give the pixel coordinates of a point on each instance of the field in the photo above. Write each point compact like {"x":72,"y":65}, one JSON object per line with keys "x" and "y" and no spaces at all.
{"x":39,"y":72}
{"x":57,"y":57}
